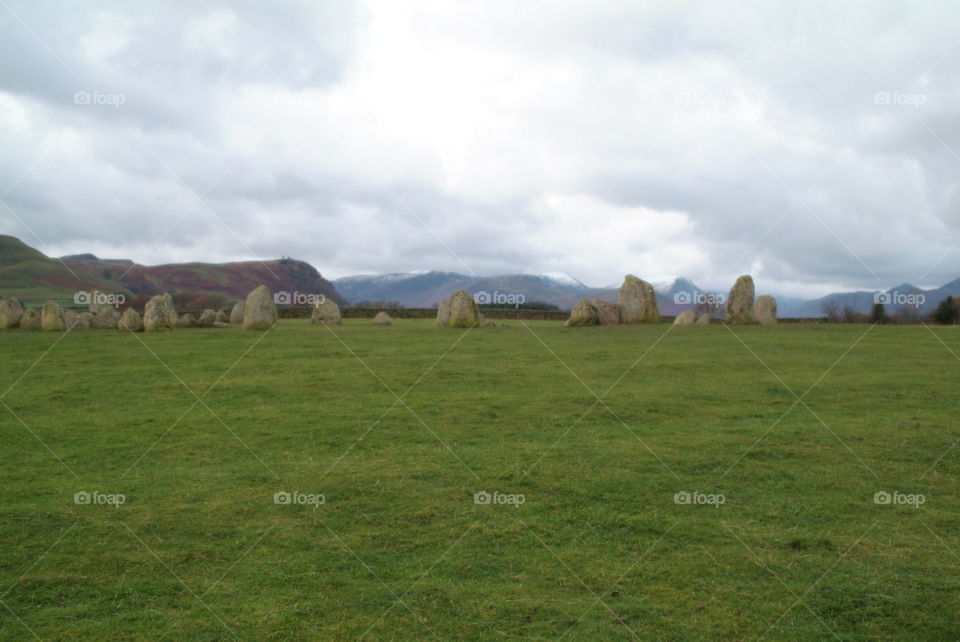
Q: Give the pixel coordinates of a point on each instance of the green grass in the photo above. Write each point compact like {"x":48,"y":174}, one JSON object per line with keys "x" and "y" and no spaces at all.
{"x":598,"y":550}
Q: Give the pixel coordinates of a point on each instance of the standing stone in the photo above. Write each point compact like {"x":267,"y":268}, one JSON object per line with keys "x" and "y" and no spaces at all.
{"x":638,"y":301}
{"x":259,"y":310}
{"x":765,"y":310}
{"x":583,"y":313}
{"x":11,"y":310}
{"x":186,"y":321}
{"x":443,"y":314}
{"x":51,"y":317}
{"x":684,"y":318}
{"x":106,"y":319}
{"x":222,"y":317}
{"x":236,"y":314}
{"x":131,"y":321}
{"x":207,"y":319}
{"x":70,"y":320}
{"x":84,"y":321}
{"x":325,"y":311}
{"x":30,"y":320}
{"x":160,"y":313}
{"x":464,"y":312}
{"x":382,"y":318}
{"x":607,"y":313}
{"x":703,"y":319}
{"x":740,"y":301}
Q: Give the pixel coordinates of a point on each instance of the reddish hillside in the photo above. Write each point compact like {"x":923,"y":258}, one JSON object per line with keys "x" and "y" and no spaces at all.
{"x":232,"y":280}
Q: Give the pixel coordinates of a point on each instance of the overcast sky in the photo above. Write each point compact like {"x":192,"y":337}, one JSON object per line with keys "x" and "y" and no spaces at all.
{"x":814,"y":145}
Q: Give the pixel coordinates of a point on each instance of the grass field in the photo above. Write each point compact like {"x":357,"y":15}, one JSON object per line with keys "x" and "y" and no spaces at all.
{"x":198,"y":429}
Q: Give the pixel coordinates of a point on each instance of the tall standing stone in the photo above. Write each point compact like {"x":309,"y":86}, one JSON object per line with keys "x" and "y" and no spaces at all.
{"x":765,"y":310}
{"x":51,"y":317}
{"x":464,"y":312}
{"x":259,"y":310}
{"x":443,"y":314}
{"x":638,"y":301}
{"x":740,"y":301}
{"x":325,"y":311}
{"x":160,"y":313}
{"x":236,"y":314}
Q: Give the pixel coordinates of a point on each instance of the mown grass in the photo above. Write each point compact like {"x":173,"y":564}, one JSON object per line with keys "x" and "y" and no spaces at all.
{"x":598,"y":550}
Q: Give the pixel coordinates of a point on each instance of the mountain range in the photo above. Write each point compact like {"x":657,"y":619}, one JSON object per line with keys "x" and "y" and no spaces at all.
{"x":33,"y":277}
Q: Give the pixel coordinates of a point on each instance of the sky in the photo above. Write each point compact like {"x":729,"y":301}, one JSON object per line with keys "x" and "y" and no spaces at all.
{"x":814,"y":145}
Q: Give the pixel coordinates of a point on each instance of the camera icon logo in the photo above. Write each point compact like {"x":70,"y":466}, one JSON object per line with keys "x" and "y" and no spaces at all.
{"x":282,"y":497}
{"x":882,"y":497}
{"x":683,"y":497}
{"x":682,"y":298}
{"x":81,"y":298}
{"x":282,"y":298}
{"x":483,"y":498}
{"x":482,"y":297}
{"x":81,"y":98}
{"x":81,"y":497}
{"x":886,"y":298}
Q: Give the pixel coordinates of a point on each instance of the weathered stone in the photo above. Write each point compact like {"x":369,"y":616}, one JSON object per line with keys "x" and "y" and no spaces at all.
{"x":685,"y":318}
{"x":326,"y":311}
{"x":638,"y":301}
{"x":236,"y":314}
{"x":765,"y":310}
{"x":382,"y":318}
{"x":703,"y":319}
{"x":607,"y":313}
{"x":259,"y":310}
{"x":222,"y":317}
{"x":160,"y":313}
{"x":30,"y":319}
{"x":70,"y":320}
{"x":99,"y":301}
{"x":106,"y":319}
{"x":186,"y":320}
{"x":464,"y":312}
{"x":84,"y":321}
{"x":443,"y":314}
{"x":220,"y":324}
{"x":131,"y":321}
{"x":583,"y":313}
{"x":11,"y":310}
{"x":740,"y":301}
{"x":51,"y":317}
{"x":207,"y":319}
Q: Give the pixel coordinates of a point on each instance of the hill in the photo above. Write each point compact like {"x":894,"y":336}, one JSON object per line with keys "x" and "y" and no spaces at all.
{"x":32,"y":276}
